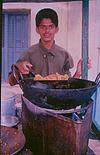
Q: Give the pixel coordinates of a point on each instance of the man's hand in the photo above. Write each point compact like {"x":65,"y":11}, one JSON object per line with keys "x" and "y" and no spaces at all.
{"x":78,"y":72}
{"x":24,"y":67}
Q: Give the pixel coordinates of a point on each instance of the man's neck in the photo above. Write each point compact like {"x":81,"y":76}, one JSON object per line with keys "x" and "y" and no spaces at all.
{"x":47,"y":45}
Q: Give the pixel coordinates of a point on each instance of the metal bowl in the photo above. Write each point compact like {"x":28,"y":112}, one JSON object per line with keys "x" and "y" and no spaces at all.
{"x":9,"y":121}
{"x":13,"y":140}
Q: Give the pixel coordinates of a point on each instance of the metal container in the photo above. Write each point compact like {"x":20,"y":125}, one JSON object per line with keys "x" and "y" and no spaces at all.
{"x":9,"y":121}
{"x":8,"y":106}
{"x":8,"y":98}
{"x":56,"y":132}
{"x":60,"y":93}
{"x":12,"y":141}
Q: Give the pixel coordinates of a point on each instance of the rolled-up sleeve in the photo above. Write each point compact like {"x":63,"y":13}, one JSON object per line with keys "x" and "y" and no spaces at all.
{"x":25,"y":56}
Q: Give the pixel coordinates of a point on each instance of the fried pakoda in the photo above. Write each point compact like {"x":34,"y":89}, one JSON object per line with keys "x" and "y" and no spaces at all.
{"x":52,"y":77}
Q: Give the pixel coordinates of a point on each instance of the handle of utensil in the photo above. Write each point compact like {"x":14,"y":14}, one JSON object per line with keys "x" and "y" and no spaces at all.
{"x":97,"y":80}
{"x":31,"y":71}
{"x":14,"y":70}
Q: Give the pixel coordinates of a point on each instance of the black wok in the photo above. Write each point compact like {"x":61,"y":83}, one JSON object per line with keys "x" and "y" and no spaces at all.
{"x":60,"y":94}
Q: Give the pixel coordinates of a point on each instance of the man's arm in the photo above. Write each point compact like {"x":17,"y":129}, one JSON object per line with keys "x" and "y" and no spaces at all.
{"x":22,"y":64}
{"x":78,"y":70}
{"x":11,"y":79}
{"x":23,"y":67}
{"x":68,"y":64}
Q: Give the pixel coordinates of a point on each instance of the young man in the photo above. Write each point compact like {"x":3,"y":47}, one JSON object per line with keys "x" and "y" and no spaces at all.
{"x":46,"y":57}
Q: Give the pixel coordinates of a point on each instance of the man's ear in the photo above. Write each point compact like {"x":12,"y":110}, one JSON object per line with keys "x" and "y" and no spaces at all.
{"x":57,"y":29}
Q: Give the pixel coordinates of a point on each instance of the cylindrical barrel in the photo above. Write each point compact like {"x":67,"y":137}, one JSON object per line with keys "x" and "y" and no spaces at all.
{"x":48,"y":133}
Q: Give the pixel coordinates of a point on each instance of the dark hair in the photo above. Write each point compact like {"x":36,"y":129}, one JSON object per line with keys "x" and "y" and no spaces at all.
{"x":46,"y":13}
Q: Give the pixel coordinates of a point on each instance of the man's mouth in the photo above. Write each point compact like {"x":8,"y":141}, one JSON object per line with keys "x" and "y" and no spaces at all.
{"x":46,"y":35}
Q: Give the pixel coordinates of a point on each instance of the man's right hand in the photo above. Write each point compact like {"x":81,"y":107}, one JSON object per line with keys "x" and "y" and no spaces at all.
{"x":24,"y":67}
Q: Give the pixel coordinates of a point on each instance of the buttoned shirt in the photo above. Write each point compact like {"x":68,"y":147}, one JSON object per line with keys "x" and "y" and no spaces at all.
{"x":48,"y":61}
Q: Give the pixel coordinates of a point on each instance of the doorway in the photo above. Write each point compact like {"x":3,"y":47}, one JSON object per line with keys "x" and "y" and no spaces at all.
{"x":14,"y":39}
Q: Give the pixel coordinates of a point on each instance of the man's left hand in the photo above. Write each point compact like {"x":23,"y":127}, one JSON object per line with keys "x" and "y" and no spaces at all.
{"x":78,"y":72}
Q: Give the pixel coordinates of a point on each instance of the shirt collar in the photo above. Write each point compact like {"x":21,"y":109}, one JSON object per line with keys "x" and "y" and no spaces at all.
{"x":45,"y":50}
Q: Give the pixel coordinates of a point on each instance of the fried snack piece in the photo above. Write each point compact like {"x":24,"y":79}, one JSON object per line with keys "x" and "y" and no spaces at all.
{"x":52,"y":77}
{"x":38,"y":77}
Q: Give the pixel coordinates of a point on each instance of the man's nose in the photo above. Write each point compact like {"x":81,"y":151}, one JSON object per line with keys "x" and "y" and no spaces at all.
{"x":47,"y":29}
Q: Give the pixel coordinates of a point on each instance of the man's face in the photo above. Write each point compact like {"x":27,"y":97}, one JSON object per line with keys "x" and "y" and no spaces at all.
{"x":47,"y":30}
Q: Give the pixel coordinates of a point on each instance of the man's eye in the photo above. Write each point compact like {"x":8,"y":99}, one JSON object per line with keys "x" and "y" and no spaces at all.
{"x":46,"y":27}
{"x":51,"y":26}
{"x":42,"y":27}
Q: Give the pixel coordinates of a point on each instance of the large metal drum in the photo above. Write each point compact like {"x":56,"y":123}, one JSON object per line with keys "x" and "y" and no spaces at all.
{"x":55,"y":132}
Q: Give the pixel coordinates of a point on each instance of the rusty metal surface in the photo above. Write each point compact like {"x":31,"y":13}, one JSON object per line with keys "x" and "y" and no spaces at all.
{"x":51,"y":134}
{"x":11,"y":140}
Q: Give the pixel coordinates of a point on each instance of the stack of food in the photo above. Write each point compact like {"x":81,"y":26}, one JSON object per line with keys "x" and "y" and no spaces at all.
{"x":52,"y":77}
{"x":56,"y":76}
